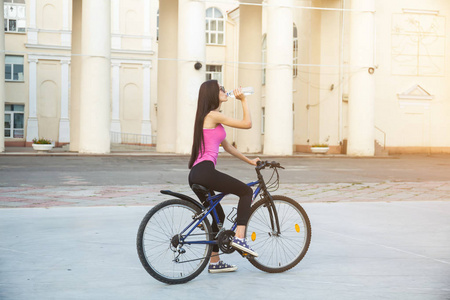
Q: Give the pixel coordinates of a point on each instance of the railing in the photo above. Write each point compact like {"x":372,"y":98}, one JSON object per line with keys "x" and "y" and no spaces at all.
{"x":384,"y":136}
{"x":123,"y":140}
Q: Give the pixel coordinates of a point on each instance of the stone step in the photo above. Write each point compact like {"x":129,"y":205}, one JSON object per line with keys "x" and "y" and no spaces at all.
{"x":380,"y":150}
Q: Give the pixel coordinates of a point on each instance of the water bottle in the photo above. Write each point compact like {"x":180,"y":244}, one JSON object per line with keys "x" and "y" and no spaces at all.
{"x":247,"y":91}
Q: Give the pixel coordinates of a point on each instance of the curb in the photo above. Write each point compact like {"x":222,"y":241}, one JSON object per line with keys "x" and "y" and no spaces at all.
{"x":159,"y":154}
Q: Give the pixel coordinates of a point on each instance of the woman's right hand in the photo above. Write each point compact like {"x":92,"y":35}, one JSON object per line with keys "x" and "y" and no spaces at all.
{"x":238,"y":94}
{"x":254,"y":161}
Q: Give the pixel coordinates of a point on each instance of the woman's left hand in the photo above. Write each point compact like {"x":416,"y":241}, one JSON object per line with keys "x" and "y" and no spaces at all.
{"x":238,"y":94}
{"x":254,"y":161}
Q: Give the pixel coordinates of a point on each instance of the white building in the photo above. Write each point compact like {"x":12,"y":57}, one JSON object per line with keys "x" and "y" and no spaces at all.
{"x":347,"y":73}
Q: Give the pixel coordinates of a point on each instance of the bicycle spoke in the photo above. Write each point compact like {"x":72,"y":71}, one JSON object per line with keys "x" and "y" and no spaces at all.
{"x":287,"y":247}
{"x":264,"y":217}
{"x":161,"y":231}
{"x":157,"y":242}
{"x":277,"y":252}
{"x":168,"y":261}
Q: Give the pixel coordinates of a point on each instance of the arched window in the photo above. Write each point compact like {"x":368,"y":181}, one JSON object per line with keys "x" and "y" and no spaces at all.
{"x":295,"y":52}
{"x":264,"y":58}
{"x":215,"y":27}
{"x":157,"y":25}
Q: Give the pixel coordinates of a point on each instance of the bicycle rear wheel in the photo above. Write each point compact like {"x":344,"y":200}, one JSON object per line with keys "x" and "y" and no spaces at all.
{"x":159,"y":247}
{"x":278,"y":252}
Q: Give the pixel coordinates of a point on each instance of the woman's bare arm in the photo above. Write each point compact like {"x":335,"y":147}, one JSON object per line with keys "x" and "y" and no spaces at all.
{"x":236,"y":153}
{"x":246,"y":122}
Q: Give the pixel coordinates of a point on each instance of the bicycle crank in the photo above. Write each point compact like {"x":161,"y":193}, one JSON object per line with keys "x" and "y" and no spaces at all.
{"x":224,"y":241}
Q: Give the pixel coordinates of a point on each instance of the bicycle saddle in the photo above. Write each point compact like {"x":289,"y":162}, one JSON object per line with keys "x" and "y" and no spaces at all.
{"x":201,"y":190}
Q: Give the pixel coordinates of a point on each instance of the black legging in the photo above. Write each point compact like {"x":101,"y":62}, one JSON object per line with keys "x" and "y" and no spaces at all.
{"x":205,"y":174}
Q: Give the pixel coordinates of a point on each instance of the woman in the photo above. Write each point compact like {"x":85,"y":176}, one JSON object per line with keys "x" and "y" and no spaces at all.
{"x":208,"y":135}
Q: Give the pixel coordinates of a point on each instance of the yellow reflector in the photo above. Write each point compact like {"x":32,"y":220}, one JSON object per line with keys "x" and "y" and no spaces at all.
{"x":253,"y":236}
{"x":297,"y":228}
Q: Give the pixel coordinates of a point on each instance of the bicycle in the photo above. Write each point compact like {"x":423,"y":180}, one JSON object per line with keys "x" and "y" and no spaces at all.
{"x":175,"y":239}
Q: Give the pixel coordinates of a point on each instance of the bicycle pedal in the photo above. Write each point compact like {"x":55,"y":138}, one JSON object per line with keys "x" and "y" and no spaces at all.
{"x":243,"y":254}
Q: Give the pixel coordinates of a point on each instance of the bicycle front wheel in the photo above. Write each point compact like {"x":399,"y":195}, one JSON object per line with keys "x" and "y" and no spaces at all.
{"x":278,"y":252}
{"x":160,"y":245}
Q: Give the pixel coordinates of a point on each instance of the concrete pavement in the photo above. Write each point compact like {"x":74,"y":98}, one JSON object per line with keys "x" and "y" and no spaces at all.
{"x":397,"y":250}
{"x":130,"y":195}
{"x":381,"y":229}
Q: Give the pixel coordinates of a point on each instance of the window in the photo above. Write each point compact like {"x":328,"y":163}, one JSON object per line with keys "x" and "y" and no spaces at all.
{"x":214,"y":27}
{"x":13,"y":68}
{"x":264,"y":58}
{"x":15,"y":17}
{"x":157,"y":25}
{"x":263,"y":120}
{"x":295,"y":59}
{"x":14,"y":121}
{"x":214,"y":72}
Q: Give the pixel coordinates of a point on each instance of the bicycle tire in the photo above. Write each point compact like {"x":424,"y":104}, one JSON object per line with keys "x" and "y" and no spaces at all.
{"x":154,"y":242}
{"x":277,"y":254}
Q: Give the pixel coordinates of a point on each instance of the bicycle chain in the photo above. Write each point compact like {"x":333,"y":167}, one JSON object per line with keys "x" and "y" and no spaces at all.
{"x":182,"y":262}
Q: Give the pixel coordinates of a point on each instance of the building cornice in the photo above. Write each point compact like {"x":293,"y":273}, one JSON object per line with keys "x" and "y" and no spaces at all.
{"x":140,"y":52}
{"x":36,"y":57}
{"x":118,"y":61}
{"x":67,"y":48}
{"x":49,"y":47}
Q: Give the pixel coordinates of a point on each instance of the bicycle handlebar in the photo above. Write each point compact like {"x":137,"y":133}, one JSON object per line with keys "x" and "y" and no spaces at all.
{"x":263,"y":164}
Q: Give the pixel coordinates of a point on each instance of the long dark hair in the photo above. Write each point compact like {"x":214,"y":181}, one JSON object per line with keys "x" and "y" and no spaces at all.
{"x":208,"y":100}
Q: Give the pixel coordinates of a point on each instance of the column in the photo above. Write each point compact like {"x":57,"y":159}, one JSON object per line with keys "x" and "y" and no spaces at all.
{"x":278,"y":137}
{"x":115,"y":5}
{"x":361,"y":98}
{"x":65,"y":35}
{"x":32,"y":32}
{"x":2,"y":79}
{"x":75,"y":83}
{"x":95,"y":95}
{"x":64,"y":123}
{"x":146,"y":123}
{"x":32,"y":122}
{"x":32,"y":13}
{"x":250,"y":33}
{"x":191,"y":48}
{"x":66,"y":15}
{"x":167,"y":78}
{"x":116,"y":39}
{"x":115,"y":97}
{"x":147,"y":41}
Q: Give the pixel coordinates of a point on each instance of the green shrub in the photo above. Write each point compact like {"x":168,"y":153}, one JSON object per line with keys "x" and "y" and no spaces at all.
{"x":41,"y":141}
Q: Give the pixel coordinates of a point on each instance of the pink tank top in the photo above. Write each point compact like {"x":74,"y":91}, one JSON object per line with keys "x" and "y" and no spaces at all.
{"x":212,"y":137}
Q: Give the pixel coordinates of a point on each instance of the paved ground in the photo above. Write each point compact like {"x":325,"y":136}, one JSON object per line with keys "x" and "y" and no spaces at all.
{"x":146,"y":168}
{"x":47,"y":181}
{"x":397,"y":250}
{"x":381,"y":228}
{"x":89,"y":196}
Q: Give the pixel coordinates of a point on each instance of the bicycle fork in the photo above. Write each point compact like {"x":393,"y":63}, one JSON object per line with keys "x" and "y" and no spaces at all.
{"x":273,"y":215}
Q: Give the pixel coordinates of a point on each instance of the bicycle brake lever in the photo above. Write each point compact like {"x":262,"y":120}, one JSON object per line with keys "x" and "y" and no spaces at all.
{"x":260,"y":165}
{"x":275,"y":164}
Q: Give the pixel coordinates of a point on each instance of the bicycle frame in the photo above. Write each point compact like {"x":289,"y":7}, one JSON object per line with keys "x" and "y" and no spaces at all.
{"x":215,"y":200}
{"x":175,"y":240}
